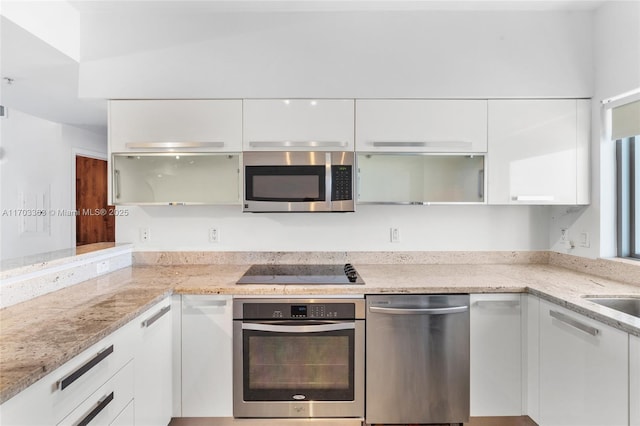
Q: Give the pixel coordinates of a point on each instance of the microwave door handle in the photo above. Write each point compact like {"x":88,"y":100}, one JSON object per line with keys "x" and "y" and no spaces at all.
{"x":298,"y":328}
{"x":327,"y":180}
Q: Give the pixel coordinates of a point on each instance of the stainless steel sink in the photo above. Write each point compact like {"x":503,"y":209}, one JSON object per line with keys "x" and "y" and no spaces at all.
{"x":627,"y":305}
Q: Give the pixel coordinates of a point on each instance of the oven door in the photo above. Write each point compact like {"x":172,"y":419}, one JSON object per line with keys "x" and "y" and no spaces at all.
{"x":298,"y":369}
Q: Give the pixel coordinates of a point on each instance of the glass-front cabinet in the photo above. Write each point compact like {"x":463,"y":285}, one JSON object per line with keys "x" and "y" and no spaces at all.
{"x":175,"y":178}
{"x":420,"y":178}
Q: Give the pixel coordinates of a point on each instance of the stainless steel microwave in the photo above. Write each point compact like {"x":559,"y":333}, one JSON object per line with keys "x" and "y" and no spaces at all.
{"x":298,"y":181}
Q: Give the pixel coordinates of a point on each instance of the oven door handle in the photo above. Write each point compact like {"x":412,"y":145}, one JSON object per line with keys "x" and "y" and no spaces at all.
{"x":298,"y":328}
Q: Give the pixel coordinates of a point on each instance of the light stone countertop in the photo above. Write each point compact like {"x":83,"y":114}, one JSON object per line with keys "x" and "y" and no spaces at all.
{"x":41,"y":334}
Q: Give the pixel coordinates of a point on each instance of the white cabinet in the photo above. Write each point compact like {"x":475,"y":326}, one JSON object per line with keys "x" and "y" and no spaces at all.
{"x":531,"y":357}
{"x":496,"y":385}
{"x":207,"y":380}
{"x":634,"y":380}
{"x":584,"y":370}
{"x":153,"y":366}
{"x":126,"y":416}
{"x":164,"y":179}
{"x":80,"y":386}
{"x":421,"y":125}
{"x":106,"y":403}
{"x":419,"y":178}
{"x":298,"y":124}
{"x":175,"y":125}
{"x":19,"y":410}
{"x":538,"y":151}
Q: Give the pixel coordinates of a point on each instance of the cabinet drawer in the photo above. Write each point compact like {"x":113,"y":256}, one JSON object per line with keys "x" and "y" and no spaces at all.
{"x":105,"y":404}
{"x":77,"y":379}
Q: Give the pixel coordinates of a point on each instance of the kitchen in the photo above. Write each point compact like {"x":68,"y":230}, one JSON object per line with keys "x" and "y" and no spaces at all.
{"x":436,"y":234}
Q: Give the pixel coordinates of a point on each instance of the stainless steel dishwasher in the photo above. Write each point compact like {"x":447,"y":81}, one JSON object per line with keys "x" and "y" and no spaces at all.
{"x":417,"y":359}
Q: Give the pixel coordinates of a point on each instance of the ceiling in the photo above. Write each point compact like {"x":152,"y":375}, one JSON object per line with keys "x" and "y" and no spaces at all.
{"x":45,"y":81}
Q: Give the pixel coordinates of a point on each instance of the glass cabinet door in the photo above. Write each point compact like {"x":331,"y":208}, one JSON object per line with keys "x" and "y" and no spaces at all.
{"x":416,"y":178}
{"x":164,"y":178}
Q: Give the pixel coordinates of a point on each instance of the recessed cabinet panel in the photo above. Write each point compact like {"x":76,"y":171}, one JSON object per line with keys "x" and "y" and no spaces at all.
{"x":539,"y":151}
{"x":425,"y":125}
{"x":207,"y":356}
{"x":420,"y":178}
{"x":496,"y":355}
{"x":298,"y":124}
{"x":176,"y":178}
{"x":213,"y":125}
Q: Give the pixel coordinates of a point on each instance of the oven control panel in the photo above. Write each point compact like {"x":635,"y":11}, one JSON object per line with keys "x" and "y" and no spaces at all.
{"x":298,"y":311}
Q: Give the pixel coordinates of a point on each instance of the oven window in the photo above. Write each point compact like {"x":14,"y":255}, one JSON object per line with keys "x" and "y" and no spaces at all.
{"x":279,"y":366}
{"x":285,"y":183}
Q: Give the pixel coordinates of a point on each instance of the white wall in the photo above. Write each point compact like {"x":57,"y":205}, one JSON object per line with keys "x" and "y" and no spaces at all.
{"x":167,"y":53}
{"x":175,"y":54}
{"x":616,"y":35}
{"x":438,"y":228}
{"x":36,"y":168}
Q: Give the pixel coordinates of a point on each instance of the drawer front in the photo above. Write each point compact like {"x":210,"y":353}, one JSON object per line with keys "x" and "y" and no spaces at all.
{"x":105,"y":404}
{"x":72,"y":383}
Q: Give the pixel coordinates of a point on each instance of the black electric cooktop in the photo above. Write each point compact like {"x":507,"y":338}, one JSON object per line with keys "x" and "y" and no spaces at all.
{"x":302,"y":275}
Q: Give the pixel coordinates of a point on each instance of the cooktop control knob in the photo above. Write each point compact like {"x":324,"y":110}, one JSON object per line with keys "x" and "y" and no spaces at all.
{"x":350,"y":272}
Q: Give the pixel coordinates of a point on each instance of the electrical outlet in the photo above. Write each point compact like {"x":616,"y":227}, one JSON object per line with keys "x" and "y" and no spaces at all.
{"x":564,"y":235}
{"x":102,"y":267}
{"x":214,"y":235}
{"x":145,"y":235}
{"x":395,"y":235}
{"x":584,"y":240}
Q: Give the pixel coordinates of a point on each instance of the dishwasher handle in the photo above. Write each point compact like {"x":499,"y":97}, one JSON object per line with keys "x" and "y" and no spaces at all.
{"x":419,"y":311}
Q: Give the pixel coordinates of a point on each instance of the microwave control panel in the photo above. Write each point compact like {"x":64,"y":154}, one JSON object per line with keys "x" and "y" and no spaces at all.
{"x":342,"y":183}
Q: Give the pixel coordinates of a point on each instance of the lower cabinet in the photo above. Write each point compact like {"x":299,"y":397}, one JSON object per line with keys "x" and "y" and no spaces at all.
{"x":106,"y":403}
{"x":584,"y":370}
{"x":153,"y":365}
{"x":207,"y":378}
{"x":96,"y":384}
{"x":531,"y":357}
{"x":496,"y":357}
{"x":126,"y":417}
{"x":634,"y":380}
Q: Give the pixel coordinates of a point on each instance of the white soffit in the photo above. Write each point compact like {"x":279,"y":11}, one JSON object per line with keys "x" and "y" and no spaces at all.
{"x":89,"y":6}
{"x":55,"y":22}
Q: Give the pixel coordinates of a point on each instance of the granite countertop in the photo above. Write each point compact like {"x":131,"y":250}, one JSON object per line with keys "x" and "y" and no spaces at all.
{"x":41,"y":334}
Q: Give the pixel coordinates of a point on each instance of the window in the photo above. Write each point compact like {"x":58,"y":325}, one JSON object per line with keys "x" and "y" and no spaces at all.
{"x":626,"y":132}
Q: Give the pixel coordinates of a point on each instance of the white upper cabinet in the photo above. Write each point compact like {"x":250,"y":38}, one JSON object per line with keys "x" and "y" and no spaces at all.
{"x":178,"y":178}
{"x":421,"y":125}
{"x":538,"y":151}
{"x":298,"y":124}
{"x":175,"y":125}
{"x":420,"y":178}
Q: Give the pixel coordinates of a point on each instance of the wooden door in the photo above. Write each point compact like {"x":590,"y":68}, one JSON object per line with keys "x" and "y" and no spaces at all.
{"x":95,"y":222}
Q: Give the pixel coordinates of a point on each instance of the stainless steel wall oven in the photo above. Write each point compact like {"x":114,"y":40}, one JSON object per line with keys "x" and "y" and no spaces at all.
{"x":298,"y":358}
